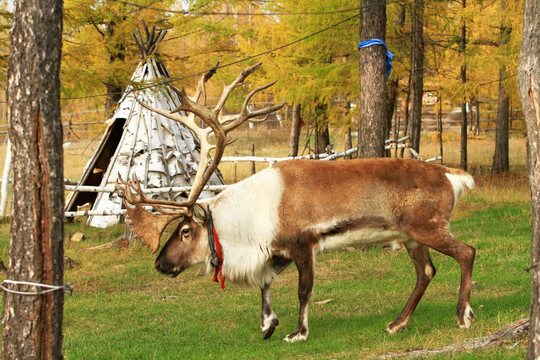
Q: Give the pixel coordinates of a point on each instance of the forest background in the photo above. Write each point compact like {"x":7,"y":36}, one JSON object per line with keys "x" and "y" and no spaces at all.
{"x":311,"y":48}
{"x":470,"y":53}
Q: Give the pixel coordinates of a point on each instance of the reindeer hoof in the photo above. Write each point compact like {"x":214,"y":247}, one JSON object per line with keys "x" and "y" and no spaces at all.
{"x":295,"y":337}
{"x":269,"y":327}
{"x":468,"y":317}
{"x":392,"y":329}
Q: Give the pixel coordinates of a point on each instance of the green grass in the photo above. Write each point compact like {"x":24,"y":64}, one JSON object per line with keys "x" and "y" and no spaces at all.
{"x":123,"y":309}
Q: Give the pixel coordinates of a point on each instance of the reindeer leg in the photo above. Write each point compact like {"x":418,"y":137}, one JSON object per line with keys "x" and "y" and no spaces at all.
{"x":269,"y":319}
{"x":305,"y":263}
{"x":442,"y":240}
{"x":425,"y":271}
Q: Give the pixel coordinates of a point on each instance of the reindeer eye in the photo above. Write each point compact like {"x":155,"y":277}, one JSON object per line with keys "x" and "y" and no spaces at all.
{"x":185,"y":231}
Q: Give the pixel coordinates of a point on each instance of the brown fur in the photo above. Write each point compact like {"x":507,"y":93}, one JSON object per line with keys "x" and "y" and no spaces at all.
{"x":325,"y":200}
{"x":364,"y":191}
{"x":412,"y":196}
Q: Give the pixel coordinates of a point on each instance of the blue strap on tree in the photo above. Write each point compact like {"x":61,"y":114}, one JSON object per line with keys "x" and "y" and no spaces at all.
{"x":389,"y":55}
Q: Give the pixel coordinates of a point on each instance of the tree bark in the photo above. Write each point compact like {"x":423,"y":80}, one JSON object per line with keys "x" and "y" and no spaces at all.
{"x":114,"y":94}
{"x":322,"y":134}
{"x":463,"y":71}
{"x":295,"y":130}
{"x":393,"y":84}
{"x":529,"y":93}
{"x":348,"y":140}
{"x":500,"y":157}
{"x":32,"y":324}
{"x":417,"y":74}
{"x":322,"y":138}
{"x":372,"y":102}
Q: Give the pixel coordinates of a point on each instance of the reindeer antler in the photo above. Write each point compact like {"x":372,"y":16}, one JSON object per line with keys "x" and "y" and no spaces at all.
{"x":149,"y":227}
{"x":218,"y":124}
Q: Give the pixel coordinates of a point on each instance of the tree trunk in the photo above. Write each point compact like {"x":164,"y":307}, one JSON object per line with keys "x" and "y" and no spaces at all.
{"x":393,"y":84}
{"x":348,"y":140}
{"x":417,"y":74}
{"x":393,"y":88}
{"x":463,"y":158}
{"x":322,"y":138}
{"x":32,"y":324}
{"x":117,"y":53}
{"x":462,"y":48}
{"x":114,"y":94}
{"x":295,"y":130}
{"x":372,"y":102}
{"x":500,"y":157}
{"x":529,"y":93}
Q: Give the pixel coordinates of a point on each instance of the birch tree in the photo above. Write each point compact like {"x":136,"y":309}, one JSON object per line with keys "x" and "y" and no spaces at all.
{"x":372,"y":101}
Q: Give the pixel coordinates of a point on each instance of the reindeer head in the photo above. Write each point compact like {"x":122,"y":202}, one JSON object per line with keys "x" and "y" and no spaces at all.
{"x":188,"y":244}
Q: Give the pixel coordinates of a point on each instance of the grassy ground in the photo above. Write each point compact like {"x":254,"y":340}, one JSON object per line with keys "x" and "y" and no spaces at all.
{"x":123,"y":309}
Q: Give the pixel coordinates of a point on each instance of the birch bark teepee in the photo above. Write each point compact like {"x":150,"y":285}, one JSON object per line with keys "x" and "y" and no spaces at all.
{"x":160,"y":152}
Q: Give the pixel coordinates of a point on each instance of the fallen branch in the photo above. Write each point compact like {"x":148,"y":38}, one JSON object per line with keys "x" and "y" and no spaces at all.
{"x":108,"y":245}
{"x":512,"y":333}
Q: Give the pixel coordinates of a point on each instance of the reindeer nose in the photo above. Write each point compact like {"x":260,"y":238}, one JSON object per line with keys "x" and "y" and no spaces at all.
{"x":160,"y":266}
{"x":163,"y":266}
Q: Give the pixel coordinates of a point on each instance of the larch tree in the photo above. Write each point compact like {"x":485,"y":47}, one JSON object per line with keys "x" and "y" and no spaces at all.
{"x":294,"y":139}
{"x":463,"y":75}
{"x":99,"y":52}
{"x":308,"y":47}
{"x":529,"y":92}
{"x":417,"y":73}
{"x":500,"y":157}
{"x":32,"y":323}
{"x":372,"y":64}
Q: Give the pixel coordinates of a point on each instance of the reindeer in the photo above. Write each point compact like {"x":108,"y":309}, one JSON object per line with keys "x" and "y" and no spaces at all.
{"x":294,"y":210}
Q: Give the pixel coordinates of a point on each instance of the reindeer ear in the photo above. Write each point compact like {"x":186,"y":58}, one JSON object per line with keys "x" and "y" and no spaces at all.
{"x":199,"y":214}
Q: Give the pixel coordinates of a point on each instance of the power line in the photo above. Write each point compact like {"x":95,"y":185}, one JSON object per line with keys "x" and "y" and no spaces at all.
{"x":229,"y":13}
{"x":168,"y":81}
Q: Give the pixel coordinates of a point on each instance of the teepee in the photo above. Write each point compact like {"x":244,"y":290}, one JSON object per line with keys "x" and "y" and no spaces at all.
{"x":160,"y":152}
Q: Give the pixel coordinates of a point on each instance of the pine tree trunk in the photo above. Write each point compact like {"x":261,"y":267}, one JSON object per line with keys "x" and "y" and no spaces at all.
{"x":529,"y":93}
{"x":500,"y":157}
{"x":32,"y":324}
{"x":463,"y":152}
{"x":463,"y":71}
{"x":322,"y":138}
{"x":295,"y":130}
{"x":348,"y":141}
{"x":417,"y":74}
{"x":114,"y":94}
{"x":393,"y":84}
{"x":372,"y":102}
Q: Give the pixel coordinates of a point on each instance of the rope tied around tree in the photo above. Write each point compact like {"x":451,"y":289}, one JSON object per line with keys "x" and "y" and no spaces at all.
{"x":67,"y":288}
{"x":389,"y":55}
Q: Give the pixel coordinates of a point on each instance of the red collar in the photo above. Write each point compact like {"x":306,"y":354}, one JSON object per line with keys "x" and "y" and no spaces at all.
{"x":220,"y":259}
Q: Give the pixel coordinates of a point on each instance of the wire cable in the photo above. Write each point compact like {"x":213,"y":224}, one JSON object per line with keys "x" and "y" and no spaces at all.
{"x":171,"y":80}
{"x":229,"y":13}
